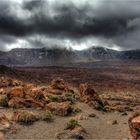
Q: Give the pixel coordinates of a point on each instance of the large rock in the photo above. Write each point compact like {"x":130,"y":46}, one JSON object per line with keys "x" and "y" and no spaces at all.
{"x":16,"y":92}
{"x":119,"y":108}
{"x":134,"y":125}
{"x":89,"y":96}
{"x":5,"y":82}
{"x":16,"y":103}
{"x":4,"y":123}
{"x":61,"y":109}
{"x":55,"y":91}
{"x":3,"y":91}
{"x":76,"y":134}
{"x":58,"y":83}
{"x":37,"y":94}
{"x":73,"y":131}
{"x":21,"y":103}
{"x":28,"y":88}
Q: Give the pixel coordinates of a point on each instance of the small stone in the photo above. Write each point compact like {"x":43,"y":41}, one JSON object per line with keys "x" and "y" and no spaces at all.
{"x":114,"y":122}
{"x":124,"y":114}
{"x":81,"y":117}
{"x":92,"y":115}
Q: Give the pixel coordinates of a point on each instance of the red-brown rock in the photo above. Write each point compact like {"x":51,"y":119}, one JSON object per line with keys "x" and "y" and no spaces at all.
{"x":61,"y":109}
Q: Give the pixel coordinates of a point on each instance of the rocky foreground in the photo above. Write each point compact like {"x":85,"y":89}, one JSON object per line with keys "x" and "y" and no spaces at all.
{"x":24,"y":104}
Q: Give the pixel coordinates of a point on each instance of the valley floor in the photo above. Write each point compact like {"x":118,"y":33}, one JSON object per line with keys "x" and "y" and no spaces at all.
{"x":99,"y":127}
{"x":118,"y":83}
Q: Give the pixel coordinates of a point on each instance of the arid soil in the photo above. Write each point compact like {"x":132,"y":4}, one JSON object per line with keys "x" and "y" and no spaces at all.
{"x":105,"y":105}
{"x":99,"y":127}
{"x":105,"y":76}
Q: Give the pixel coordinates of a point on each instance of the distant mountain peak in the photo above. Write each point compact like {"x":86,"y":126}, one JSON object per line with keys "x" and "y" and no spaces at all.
{"x":56,"y":56}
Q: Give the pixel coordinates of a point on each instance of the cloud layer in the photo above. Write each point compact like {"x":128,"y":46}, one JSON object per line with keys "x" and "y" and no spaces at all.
{"x":70,"y":23}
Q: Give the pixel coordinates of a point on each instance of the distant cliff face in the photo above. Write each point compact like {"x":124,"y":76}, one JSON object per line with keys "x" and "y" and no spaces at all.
{"x":56,"y":56}
{"x":37,"y":57}
{"x":100,"y":53}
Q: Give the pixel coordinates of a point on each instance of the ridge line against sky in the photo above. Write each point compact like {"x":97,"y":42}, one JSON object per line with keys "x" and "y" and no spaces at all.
{"x":78,"y":24}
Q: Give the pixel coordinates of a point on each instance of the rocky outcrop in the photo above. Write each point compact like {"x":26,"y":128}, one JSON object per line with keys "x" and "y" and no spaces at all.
{"x":4,"y":123}
{"x":61,"y":109}
{"x":29,"y":95}
{"x":21,"y":103}
{"x":134,"y":125}
{"x":88,"y":95}
{"x":6,"y":82}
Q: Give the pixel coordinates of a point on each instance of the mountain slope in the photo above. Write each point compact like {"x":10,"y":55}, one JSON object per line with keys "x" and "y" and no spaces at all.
{"x":56,"y":56}
{"x":40,"y":56}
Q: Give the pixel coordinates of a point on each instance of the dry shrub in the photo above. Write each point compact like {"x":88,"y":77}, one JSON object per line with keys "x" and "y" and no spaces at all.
{"x":73,"y":131}
{"x":25,"y":117}
{"x":55,"y":98}
{"x":3,"y":100}
{"x":47,"y":116}
{"x":69,"y":97}
{"x":72,"y":124}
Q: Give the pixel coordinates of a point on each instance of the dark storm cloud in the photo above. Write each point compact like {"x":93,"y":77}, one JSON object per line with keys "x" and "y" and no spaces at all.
{"x":10,"y":24}
{"x":69,"y":20}
{"x":72,"y":20}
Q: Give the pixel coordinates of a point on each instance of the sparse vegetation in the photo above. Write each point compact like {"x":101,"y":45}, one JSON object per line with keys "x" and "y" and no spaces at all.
{"x":55,"y":98}
{"x":3,"y":100}
{"x":47,"y":116}
{"x":70,"y":97}
{"x":25,"y":117}
{"x":72,"y":124}
{"x":109,"y":95}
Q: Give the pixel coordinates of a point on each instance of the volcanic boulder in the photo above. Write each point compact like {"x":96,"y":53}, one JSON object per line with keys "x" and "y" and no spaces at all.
{"x":58,"y":83}
{"x":61,"y":109}
{"x":4,"y":123}
{"x":16,"y":92}
{"x":5,"y":82}
{"x":134,"y":125}
{"x":89,"y":96}
{"x":21,"y":103}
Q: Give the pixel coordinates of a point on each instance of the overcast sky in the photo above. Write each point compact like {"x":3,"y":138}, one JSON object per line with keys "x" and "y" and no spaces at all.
{"x":70,"y":23}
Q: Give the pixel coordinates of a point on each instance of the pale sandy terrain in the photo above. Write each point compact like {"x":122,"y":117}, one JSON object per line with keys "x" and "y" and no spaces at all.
{"x":99,"y":127}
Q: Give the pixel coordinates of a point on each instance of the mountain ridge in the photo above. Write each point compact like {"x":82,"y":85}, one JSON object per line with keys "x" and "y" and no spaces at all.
{"x":57,"y":56}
